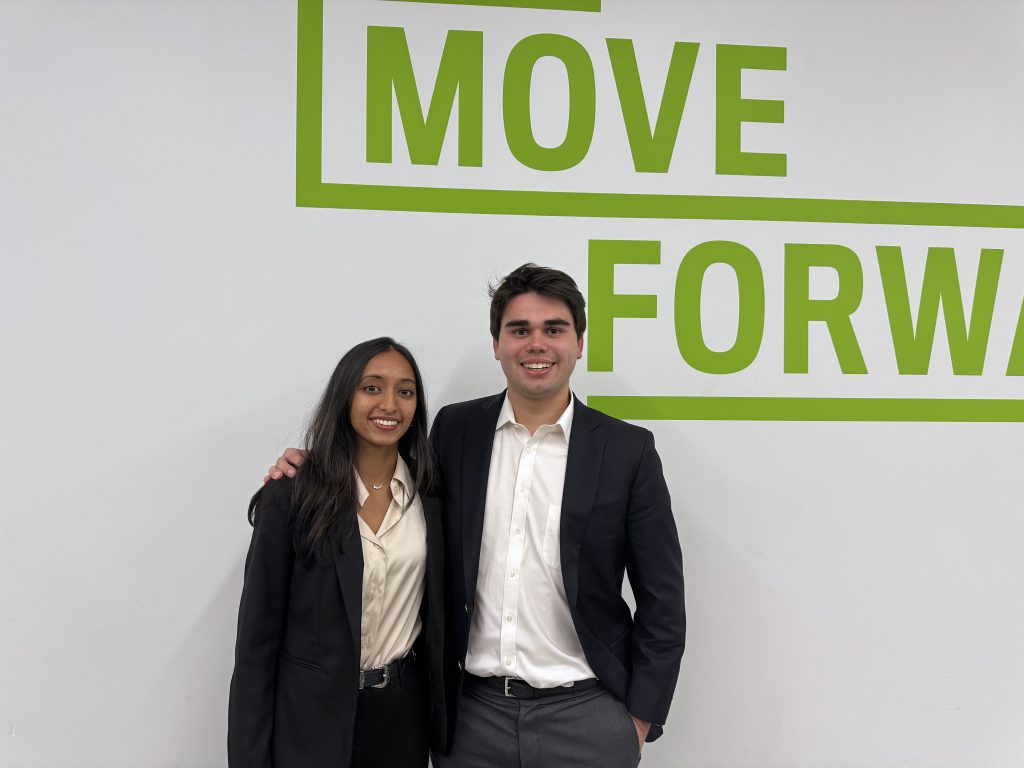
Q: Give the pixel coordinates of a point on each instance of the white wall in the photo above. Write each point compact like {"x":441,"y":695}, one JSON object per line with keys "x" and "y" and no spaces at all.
{"x":168,"y":316}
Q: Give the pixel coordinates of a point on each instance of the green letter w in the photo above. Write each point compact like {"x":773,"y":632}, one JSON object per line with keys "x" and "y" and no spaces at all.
{"x":967,"y":342}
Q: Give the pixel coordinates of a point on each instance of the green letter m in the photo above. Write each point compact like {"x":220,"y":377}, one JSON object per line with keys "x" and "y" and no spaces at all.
{"x":388,"y":67}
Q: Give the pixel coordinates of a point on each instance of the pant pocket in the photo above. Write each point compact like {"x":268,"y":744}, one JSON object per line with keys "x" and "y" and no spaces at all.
{"x":634,"y":738}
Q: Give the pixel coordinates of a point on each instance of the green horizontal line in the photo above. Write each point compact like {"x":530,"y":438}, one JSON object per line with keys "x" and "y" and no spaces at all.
{"x":312,"y":194}
{"x":807,"y":409}
{"x":593,"y":6}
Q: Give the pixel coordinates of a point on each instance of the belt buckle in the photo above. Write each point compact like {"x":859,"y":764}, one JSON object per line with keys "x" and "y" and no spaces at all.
{"x":507,"y":681}
{"x":385,"y":681}
{"x":362,"y":678}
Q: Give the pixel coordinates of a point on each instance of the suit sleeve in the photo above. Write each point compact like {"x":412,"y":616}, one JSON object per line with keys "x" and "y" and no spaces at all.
{"x":261,"y":621}
{"x":654,"y":563}
{"x":435,"y":433}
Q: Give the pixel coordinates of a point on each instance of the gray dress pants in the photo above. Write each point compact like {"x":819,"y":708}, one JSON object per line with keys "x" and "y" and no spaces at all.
{"x":576,"y":729}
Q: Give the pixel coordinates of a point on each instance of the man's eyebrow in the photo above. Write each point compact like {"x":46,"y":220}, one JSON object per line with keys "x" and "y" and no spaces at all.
{"x":526,"y":323}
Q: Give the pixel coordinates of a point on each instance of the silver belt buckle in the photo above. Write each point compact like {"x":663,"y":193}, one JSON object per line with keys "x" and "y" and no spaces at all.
{"x":507,"y":681}
{"x":385,"y":681}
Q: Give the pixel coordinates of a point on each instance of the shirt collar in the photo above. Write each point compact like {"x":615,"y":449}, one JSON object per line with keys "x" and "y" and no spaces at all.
{"x":507,"y":416}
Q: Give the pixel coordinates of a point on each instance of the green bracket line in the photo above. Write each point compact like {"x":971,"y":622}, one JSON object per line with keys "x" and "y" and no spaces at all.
{"x":591,"y":6}
{"x":807,"y":409}
{"x":641,"y":206}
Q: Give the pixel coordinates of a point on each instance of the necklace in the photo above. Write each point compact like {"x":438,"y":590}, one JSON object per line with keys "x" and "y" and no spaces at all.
{"x":377,"y":486}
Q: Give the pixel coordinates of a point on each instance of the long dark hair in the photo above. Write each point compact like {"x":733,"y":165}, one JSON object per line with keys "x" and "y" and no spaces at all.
{"x":324,"y":496}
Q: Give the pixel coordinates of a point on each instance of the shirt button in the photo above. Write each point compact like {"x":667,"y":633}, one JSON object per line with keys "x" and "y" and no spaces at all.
{"x":509,"y":617}
{"x":531,"y":449}
{"x":512,"y":574}
{"x":508,"y":662}
{"x":517,"y":531}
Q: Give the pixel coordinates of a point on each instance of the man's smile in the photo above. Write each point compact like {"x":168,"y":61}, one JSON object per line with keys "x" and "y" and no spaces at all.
{"x":536,"y":367}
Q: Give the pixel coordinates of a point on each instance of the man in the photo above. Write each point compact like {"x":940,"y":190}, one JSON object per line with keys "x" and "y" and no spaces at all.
{"x":546,"y":503}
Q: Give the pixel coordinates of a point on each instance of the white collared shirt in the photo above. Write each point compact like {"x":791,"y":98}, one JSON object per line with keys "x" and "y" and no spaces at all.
{"x":521,"y":625}
{"x":394,"y":574}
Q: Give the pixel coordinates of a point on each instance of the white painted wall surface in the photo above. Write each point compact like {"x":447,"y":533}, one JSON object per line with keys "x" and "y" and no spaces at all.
{"x":168,"y":316}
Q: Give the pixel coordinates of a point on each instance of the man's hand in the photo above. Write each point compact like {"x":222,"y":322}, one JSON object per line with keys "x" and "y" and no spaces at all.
{"x":642,"y":727}
{"x":290,"y":459}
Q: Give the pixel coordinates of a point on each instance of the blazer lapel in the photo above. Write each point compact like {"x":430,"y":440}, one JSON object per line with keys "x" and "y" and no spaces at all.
{"x":478,"y":439}
{"x":582,"y":470}
{"x":349,"y":567}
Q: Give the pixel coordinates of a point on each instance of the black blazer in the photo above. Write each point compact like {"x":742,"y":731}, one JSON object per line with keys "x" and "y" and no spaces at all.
{"x":293,"y":691}
{"x":616,"y":516}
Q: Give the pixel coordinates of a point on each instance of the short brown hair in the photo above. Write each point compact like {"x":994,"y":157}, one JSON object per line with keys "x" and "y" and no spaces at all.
{"x":546,"y":281}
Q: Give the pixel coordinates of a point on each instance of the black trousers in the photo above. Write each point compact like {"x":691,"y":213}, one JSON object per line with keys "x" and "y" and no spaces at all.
{"x":391,"y":725}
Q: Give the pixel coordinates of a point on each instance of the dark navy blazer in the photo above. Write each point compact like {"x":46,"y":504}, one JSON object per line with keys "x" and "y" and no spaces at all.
{"x":616,"y":517}
{"x":294,"y":688}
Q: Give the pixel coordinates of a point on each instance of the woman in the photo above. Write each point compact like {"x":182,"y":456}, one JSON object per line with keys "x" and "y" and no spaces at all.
{"x":338,"y":656}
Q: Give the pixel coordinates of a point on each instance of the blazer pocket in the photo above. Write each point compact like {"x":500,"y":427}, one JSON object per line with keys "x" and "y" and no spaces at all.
{"x":302,"y":663}
{"x":552,"y":556}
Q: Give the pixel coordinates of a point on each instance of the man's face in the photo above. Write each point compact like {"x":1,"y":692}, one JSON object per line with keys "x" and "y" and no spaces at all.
{"x":537,"y":347}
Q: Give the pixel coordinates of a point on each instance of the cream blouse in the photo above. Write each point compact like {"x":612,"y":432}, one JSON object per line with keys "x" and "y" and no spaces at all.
{"x":394,"y":574}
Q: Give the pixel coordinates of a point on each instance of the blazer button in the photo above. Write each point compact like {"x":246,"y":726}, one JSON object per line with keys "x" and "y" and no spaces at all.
{"x":459,"y":664}
{"x":468,"y":607}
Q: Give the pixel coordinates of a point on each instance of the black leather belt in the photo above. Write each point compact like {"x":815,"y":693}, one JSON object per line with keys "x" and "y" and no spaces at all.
{"x":403,"y":670}
{"x":520,"y":689}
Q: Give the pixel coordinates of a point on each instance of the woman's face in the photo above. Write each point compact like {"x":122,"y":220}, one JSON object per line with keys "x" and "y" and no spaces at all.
{"x":384,"y":403}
